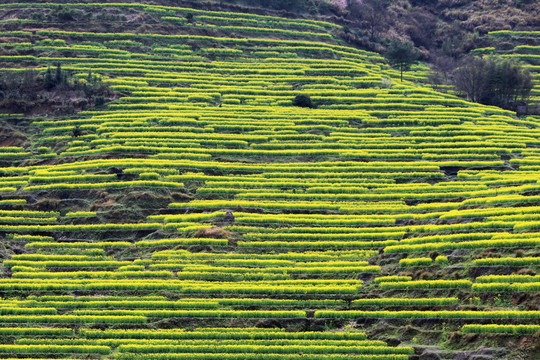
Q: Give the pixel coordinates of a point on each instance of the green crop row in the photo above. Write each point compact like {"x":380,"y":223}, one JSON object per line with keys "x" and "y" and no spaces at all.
{"x":240,"y":20}
{"x":425,"y":261}
{"x":76,"y":178}
{"x":253,"y":275}
{"x":20,"y":237}
{"x":405,"y":302}
{"x":68,"y":264}
{"x":323,"y":225}
{"x":276,"y":259}
{"x":500,"y":329}
{"x":12,"y":202}
{"x":105,"y":185}
{"x":220,"y":333}
{"x":83,"y":227}
{"x":501,"y":33}
{"x":22,"y":311}
{"x":35,"y":331}
{"x":183,"y":242}
{"x":198,"y":342}
{"x":53,"y":349}
{"x":25,"y":220}
{"x":240,"y":348}
{"x":119,"y":303}
{"x":92,"y":274}
{"x":479,"y":244}
{"x":391,"y":278}
{"x":507,"y":261}
{"x":269,"y":287}
{"x":276,"y":236}
{"x":426,"y":284}
{"x":77,"y":245}
{"x":442,"y":314}
{"x":507,"y":287}
{"x":259,"y":356}
{"x":514,"y":278}
{"x":71,"y":319}
{"x":318,"y":244}
{"x":206,"y":313}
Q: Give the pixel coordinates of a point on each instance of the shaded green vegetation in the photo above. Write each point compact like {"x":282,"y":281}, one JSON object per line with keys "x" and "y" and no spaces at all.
{"x":494,"y":81}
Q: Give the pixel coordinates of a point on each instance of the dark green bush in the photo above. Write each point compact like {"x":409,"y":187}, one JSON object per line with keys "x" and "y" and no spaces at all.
{"x":303,"y":100}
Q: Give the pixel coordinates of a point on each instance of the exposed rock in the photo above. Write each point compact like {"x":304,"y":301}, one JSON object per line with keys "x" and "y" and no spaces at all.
{"x":392,"y":341}
{"x":126,"y":177}
{"x":429,"y":355}
{"x":484,"y":270}
{"x":213,"y":232}
{"x":46,"y":204}
{"x":481,"y":354}
{"x":457,"y":254}
{"x":229,"y":217}
{"x":146,"y":200}
{"x":115,"y":170}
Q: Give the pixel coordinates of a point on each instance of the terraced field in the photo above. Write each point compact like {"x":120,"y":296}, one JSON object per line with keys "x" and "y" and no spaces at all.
{"x":203,"y":216}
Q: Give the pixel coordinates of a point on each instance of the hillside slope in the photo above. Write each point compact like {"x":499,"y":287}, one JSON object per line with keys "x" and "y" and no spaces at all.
{"x":200,"y":215}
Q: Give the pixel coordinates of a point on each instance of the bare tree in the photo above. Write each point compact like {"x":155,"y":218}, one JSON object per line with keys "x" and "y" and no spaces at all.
{"x":471,"y":78}
{"x":371,"y":12}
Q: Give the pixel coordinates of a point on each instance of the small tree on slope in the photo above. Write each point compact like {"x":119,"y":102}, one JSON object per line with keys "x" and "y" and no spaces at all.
{"x":402,"y":55}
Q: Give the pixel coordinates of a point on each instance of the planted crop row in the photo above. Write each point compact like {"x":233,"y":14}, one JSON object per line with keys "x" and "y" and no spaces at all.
{"x":500,"y":329}
{"x":442,"y":314}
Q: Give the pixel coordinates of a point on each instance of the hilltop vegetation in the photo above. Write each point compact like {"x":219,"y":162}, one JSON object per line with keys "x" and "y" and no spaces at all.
{"x":437,"y":27}
{"x":442,"y":32}
{"x":252,"y":186}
